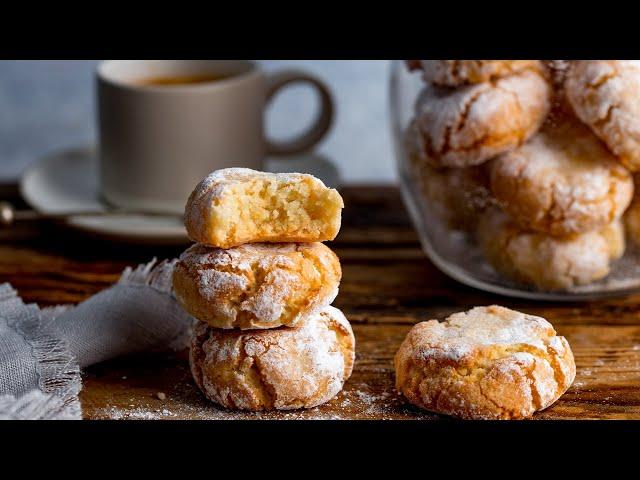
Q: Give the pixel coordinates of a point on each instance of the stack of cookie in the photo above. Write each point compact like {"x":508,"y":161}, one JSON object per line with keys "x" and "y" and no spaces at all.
{"x":528,"y":157}
{"x":260,"y":285}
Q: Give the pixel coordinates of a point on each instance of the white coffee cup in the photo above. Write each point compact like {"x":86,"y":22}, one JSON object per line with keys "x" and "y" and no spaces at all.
{"x":156,"y":142}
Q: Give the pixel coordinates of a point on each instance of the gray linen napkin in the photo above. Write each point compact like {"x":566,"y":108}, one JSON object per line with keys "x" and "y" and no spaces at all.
{"x":43,"y":350}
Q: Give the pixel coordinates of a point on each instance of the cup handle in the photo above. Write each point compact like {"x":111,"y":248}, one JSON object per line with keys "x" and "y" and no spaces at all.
{"x":324,"y":119}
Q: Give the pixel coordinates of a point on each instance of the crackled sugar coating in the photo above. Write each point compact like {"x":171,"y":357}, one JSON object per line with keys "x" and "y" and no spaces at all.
{"x":260,"y":285}
{"x":546,"y":262}
{"x":605,"y":94}
{"x":455,"y":196}
{"x":234,"y":206}
{"x":277,"y":369}
{"x":468,"y":125}
{"x":562,"y":181}
{"x":453,"y":73}
{"x":487,"y":363}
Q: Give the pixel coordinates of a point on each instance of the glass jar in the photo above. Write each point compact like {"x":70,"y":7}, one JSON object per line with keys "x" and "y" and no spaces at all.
{"x":518,"y":175}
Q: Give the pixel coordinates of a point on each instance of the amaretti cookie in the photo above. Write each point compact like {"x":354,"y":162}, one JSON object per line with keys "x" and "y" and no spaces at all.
{"x":544,"y":261}
{"x":487,"y":363}
{"x":234,"y":206}
{"x":453,"y":73}
{"x":562,"y":181}
{"x":455,"y":196}
{"x":256,"y":286}
{"x":605,"y":94}
{"x":468,"y":125}
{"x":281,"y":369}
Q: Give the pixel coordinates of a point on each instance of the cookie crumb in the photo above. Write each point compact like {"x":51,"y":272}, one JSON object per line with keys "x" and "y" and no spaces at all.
{"x":161,"y":396}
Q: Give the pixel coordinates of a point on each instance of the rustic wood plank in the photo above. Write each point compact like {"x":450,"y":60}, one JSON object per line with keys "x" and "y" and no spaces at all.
{"x":606,"y":385}
{"x":388,"y":285}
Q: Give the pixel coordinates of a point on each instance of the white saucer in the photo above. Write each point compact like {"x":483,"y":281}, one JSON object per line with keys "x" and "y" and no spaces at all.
{"x":68,"y":181}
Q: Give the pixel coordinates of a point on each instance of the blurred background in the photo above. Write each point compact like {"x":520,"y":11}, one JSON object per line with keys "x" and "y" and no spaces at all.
{"x":48,"y":105}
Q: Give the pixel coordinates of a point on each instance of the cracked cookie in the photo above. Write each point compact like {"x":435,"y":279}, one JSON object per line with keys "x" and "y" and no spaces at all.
{"x":258,"y":285}
{"x":277,"y":369}
{"x":487,"y":363}
{"x":468,"y":125}
{"x":234,"y":206}
{"x":454,"y":196}
{"x":454,"y":73}
{"x":605,"y":94}
{"x":562,"y":181}
{"x":546,"y":262}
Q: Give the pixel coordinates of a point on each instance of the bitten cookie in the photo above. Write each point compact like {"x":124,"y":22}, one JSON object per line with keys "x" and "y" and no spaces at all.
{"x":605,"y":94}
{"x":257,"y":285}
{"x":562,"y":181}
{"x":455,"y":196}
{"x":234,"y":206}
{"x":546,"y":262}
{"x":453,"y":73}
{"x":487,"y":363}
{"x":468,"y":125}
{"x":278,"y":369}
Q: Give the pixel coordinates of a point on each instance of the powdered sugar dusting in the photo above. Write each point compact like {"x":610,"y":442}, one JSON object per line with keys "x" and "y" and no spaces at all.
{"x":463,"y":332}
{"x":489,"y":362}
{"x":212,"y":281}
{"x":301,"y":366}
{"x":605,"y":95}
{"x":269,"y":302}
{"x":474,"y":123}
{"x":459,"y":72}
{"x":138,"y":414}
{"x":562,"y":181}
{"x":258,"y":285}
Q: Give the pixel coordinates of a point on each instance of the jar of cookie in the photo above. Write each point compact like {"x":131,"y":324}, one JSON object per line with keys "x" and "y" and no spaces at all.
{"x":519,"y":174}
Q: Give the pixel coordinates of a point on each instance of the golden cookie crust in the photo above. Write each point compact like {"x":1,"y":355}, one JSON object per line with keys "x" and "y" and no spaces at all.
{"x":468,"y":125}
{"x":562,"y":181}
{"x":277,"y":369}
{"x":487,"y":363}
{"x":234,"y":206}
{"x":546,"y":262}
{"x":454,"y":73}
{"x":258,"y":285}
{"x":614,"y":235}
{"x":632,"y":215}
{"x":605,"y":94}
{"x":455,"y":196}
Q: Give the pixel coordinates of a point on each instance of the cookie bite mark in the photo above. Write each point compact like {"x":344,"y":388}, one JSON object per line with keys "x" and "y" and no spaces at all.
{"x":487,"y":363}
{"x":235,"y":206}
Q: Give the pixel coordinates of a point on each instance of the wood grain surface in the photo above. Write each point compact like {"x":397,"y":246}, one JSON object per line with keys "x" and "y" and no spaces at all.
{"x":388,"y":285}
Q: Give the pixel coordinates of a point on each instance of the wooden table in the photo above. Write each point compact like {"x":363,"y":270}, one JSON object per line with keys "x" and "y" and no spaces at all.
{"x":388,"y":285}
